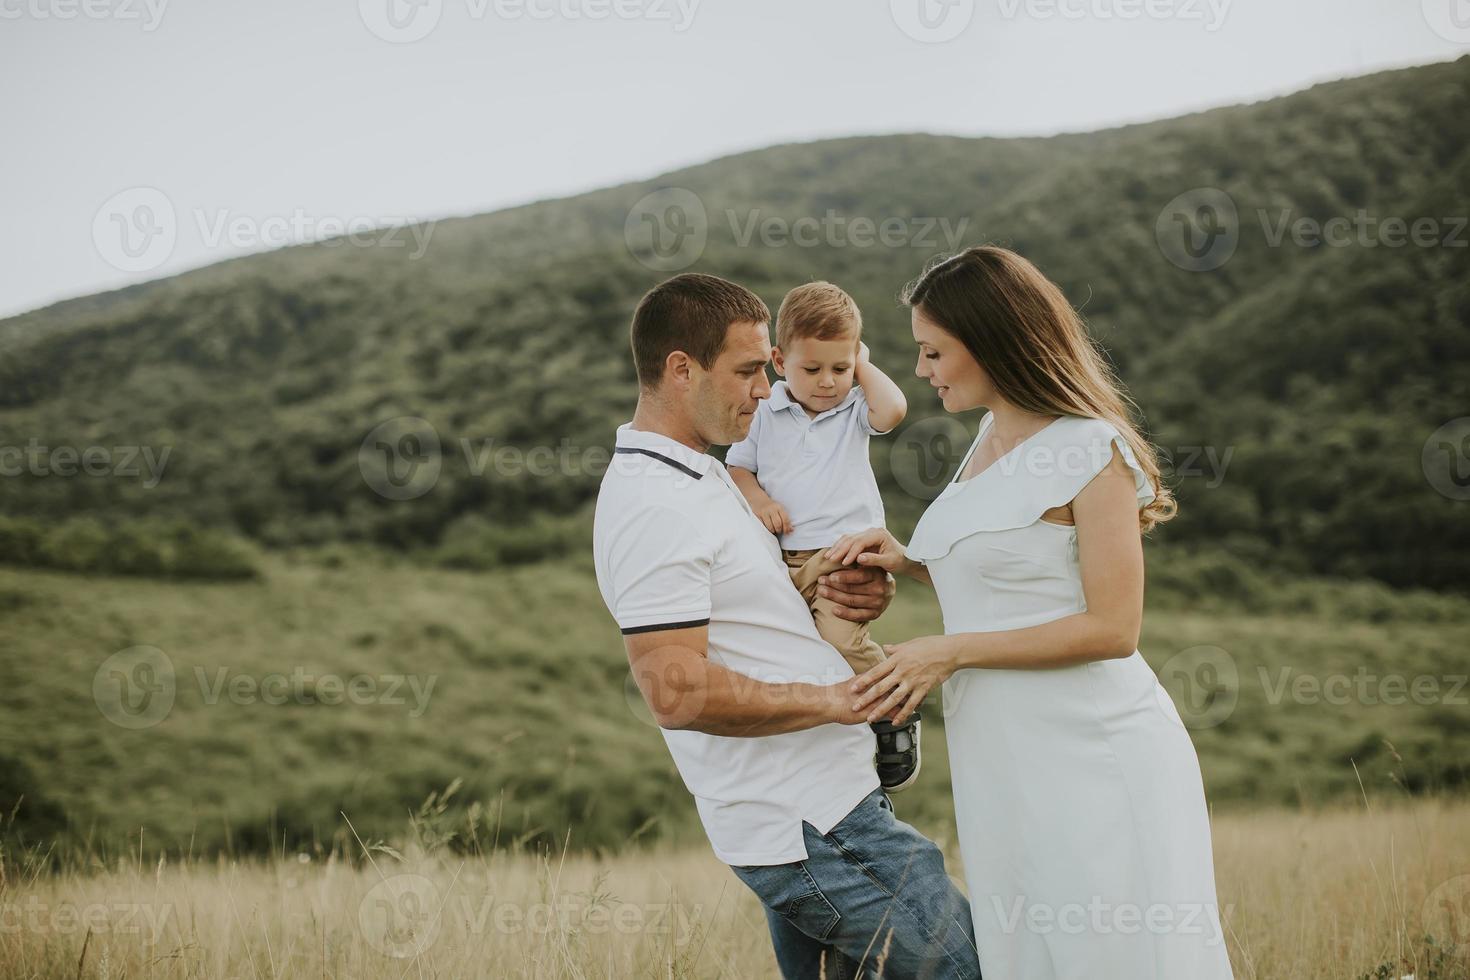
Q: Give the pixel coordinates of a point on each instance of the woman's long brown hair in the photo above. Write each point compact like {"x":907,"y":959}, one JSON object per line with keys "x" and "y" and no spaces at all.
{"x":1034,"y":346}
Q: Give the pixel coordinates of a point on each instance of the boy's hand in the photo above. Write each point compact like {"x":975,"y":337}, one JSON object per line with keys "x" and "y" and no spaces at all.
{"x":773,"y":516}
{"x":863,"y":357}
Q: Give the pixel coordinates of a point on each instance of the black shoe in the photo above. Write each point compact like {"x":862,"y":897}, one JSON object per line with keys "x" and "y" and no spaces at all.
{"x":898,"y":753}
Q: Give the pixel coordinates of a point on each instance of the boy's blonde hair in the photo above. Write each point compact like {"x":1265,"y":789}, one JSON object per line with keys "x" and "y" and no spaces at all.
{"x":818,"y":310}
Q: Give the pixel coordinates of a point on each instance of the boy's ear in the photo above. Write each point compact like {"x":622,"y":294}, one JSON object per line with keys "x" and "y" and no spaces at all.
{"x":778,"y":361}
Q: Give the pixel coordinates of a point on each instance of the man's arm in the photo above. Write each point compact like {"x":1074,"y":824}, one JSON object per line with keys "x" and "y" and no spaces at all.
{"x":886,"y":404}
{"x":687,"y":692}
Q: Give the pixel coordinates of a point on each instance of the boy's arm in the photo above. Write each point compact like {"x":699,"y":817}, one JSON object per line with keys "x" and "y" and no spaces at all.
{"x":771,"y":514}
{"x":886,"y":404}
{"x":749,"y":485}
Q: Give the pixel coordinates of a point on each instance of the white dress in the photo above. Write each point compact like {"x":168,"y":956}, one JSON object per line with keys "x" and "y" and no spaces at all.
{"x":1078,"y":799}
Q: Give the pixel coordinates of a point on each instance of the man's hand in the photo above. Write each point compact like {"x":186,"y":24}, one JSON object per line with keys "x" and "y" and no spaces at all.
{"x":773,"y":516}
{"x":861,"y":594}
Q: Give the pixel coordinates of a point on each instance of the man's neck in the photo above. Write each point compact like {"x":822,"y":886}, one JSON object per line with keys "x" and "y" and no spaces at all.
{"x":652,"y":416}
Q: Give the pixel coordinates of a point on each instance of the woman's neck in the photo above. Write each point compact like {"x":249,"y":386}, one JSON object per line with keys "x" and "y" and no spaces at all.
{"x":1013,"y":425}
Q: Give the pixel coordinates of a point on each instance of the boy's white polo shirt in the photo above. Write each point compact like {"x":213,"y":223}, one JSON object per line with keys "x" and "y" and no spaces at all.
{"x":817,"y":467}
{"x":676,"y":545}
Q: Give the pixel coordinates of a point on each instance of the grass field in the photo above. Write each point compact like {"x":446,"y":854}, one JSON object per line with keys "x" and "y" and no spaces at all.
{"x":1306,"y":895}
{"x":229,"y":780}
{"x":361,"y":685}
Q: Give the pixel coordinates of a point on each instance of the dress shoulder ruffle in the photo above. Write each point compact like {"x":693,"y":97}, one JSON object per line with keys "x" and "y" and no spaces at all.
{"x":1047,"y":470}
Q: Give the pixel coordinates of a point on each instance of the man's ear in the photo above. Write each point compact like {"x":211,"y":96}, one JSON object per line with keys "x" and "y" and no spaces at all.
{"x":678,"y":368}
{"x":778,"y":361}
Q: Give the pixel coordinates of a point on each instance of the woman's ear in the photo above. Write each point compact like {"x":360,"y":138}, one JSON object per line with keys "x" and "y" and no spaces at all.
{"x":778,"y":361}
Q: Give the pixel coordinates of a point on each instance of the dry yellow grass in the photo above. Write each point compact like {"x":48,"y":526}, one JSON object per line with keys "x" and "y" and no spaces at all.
{"x":1307,"y":896}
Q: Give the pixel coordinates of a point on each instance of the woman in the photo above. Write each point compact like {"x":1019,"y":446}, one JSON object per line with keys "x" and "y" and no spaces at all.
{"x":1077,"y":792}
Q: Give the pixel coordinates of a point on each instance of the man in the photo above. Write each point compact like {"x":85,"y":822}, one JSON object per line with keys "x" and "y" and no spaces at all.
{"x":755,"y":706}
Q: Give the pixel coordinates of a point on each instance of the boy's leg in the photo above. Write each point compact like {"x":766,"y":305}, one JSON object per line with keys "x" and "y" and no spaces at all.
{"x":876,"y":890}
{"x":897,"y":755}
{"x":851,"y":639}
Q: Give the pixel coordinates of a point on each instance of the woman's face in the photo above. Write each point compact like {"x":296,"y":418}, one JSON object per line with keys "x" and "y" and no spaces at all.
{"x":948,"y":365}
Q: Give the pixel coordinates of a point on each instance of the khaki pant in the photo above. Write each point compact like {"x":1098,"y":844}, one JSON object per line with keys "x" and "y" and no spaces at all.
{"x":851,"y":639}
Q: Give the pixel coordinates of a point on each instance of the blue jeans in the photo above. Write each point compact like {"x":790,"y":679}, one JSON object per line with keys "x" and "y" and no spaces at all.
{"x":872,"y":890}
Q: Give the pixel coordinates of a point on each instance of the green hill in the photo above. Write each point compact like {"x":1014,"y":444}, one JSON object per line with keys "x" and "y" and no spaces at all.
{"x":354,"y":682}
{"x":1320,"y":370}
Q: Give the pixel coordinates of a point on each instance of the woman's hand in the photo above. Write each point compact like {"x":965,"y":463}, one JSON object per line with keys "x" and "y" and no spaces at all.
{"x":901,"y":682}
{"x":873,"y":548}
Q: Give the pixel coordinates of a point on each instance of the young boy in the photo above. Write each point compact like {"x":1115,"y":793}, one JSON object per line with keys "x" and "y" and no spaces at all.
{"x":804,"y":469}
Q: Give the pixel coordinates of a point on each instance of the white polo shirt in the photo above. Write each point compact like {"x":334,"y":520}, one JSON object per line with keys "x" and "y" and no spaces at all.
{"x":816,"y":467}
{"x":676,"y":545}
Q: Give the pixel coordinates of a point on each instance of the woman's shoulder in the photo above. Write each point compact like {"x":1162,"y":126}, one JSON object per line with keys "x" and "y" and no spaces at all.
{"x":1048,"y":471}
{"x":1073,"y":429}
{"x":1083,"y":448}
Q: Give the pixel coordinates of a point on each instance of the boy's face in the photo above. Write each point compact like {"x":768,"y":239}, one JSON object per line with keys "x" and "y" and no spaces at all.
{"x":818,"y":372}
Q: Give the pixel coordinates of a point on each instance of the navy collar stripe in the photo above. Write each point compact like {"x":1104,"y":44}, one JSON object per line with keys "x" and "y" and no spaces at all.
{"x":660,"y":456}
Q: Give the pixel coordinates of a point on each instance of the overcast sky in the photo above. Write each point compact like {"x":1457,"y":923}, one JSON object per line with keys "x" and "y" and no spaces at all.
{"x":258,"y":121}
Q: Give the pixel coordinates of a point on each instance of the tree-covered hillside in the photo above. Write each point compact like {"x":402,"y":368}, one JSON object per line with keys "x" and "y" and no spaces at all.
{"x":1294,"y":386}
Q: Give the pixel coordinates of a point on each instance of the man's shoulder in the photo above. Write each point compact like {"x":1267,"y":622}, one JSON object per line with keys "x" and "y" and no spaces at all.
{"x":634,"y":483}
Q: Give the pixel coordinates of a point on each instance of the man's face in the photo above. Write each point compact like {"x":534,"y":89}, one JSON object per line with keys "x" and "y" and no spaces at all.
{"x":726,"y":396}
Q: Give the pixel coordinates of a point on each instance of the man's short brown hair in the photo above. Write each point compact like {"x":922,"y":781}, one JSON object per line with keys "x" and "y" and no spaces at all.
{"x":818,"y":310}
{"x":692,"y":313}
